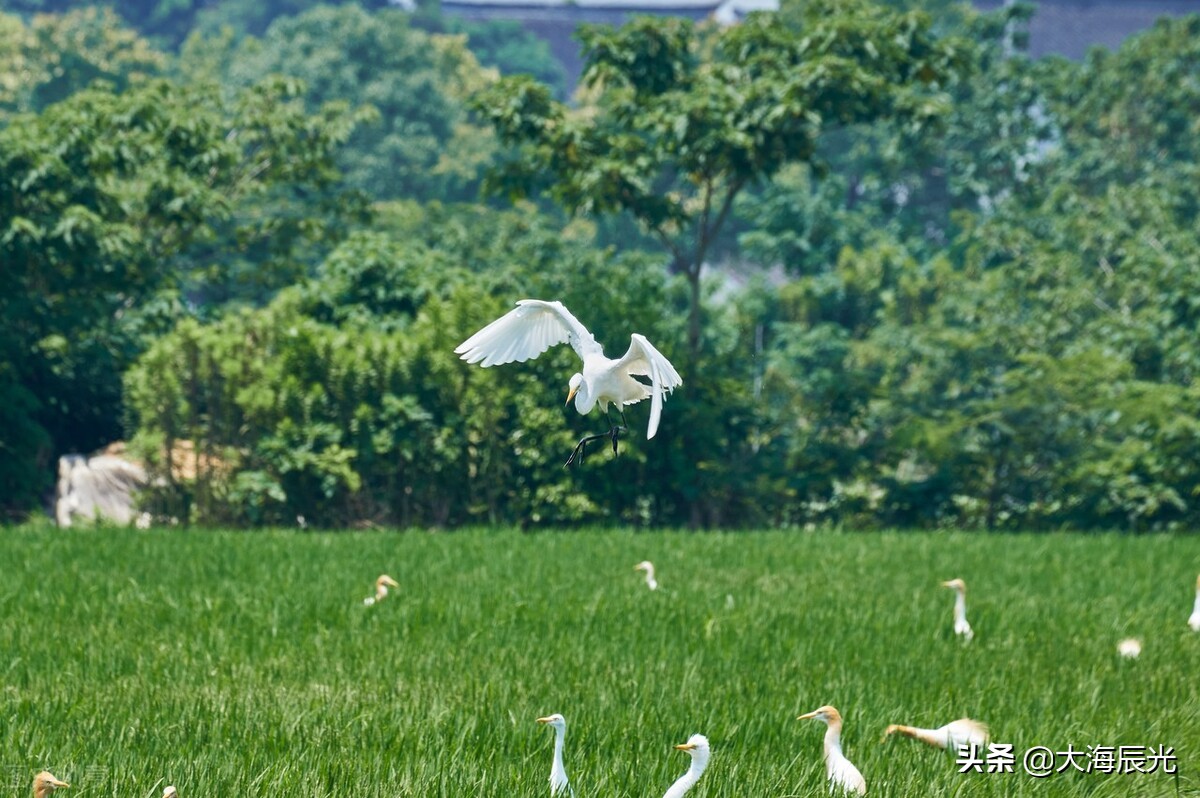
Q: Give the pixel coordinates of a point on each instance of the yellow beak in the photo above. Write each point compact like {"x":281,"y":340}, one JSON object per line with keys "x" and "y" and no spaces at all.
{"x":570,"y":395}
{"x":685,"y":746}
{"x":58,"y":783}
{"x":809,"y":716}
{"x":543,"y":720}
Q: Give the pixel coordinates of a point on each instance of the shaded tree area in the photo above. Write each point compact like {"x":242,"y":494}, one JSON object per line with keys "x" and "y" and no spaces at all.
{"x":908,"y":277}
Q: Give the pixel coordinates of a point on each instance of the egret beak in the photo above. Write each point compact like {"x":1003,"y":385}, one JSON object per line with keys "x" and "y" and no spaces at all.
{"x":58,"y":783}
{"x":809,"y":716}
{"x":946,"y":584}
{"x":570,"y":395}
{"x":685,"y":746}
{"x":543,"y":720}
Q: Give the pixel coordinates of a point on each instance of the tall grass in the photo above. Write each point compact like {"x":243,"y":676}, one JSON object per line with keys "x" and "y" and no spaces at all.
{"x":231,"y":663}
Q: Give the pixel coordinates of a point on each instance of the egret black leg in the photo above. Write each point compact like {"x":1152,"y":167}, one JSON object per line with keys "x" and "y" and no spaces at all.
{"x":577,"y":455}
{"x":615,"y":430}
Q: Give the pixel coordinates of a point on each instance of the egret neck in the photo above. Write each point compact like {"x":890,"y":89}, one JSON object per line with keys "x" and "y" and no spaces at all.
{"x":697,"y":748}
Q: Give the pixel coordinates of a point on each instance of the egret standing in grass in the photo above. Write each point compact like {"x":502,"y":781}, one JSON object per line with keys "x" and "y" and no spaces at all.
{"x":1194,"y":621}
{"x":558,"y":774}
{"x":842,"y":773}
{"x":697,"y":748}
{"x":45,"y":783}
{"x":381,"y":589}
{"x":648,"y":567}
{"x":535,"y":326}
{"x":961,"y":627}
{"x":954,"y":734}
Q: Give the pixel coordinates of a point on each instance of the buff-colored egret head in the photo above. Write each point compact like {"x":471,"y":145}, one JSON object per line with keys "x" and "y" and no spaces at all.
{"x":696,"y":746}
{"x":386,"y":581}
{"x":45,"y":783}
{"x":825,"y":714}
{"x":891,"y":729}
{"x":555,"y":721}
{"x":956,"y":584}
{"x":170,"y":792}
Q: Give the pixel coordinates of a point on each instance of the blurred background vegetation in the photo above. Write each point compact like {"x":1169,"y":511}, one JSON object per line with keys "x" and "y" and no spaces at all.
{"x":910,"y":275}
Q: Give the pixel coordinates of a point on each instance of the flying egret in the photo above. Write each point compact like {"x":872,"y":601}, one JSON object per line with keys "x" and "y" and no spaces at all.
{"x":954,"y":734}
{"x":558,"y":774}
{"x":648,"y":567}
{"x":961,"y":627}
{"x":170,"y":792}
{"x":1194,"y":621}
{"x":1130,"y":648}
{"x":697,"y":748}
{"x":45,"y":783}
{"x":842,"y":773}
{"x":535,"y":326}
{"x":381,"y":589}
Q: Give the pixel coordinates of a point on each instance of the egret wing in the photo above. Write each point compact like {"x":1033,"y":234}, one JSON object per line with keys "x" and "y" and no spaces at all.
{"x":642,"y":358}
{"x":526,"y":332}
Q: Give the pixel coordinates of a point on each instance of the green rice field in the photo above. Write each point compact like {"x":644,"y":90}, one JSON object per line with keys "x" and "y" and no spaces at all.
{"x":246,"y":664}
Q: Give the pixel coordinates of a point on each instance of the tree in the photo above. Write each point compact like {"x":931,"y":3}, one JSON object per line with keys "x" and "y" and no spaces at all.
{"x":57,"y":55}
{"x":94,"y":228}
{"x":685,"y":118}
{"x":420,"y":145}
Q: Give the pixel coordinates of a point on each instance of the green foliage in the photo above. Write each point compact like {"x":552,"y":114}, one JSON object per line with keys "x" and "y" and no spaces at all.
{"x":226,"y":661}
{"x":100,"y":223}
{"x":57,"y":55}
{"x":419,"y":146}
{"x":686,"y":118}
{"x":342,"y":400}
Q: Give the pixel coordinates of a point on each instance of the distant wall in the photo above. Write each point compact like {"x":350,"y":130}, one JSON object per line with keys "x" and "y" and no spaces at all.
{"x":1071,"y":27}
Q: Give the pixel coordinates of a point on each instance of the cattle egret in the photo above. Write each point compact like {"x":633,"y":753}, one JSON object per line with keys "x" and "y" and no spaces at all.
{"x":558,"y":774}
{"x":697,"y":748}
{"x":1194,"y":621}
{"x":961,"y":627}
{"x":842,"y":773}
{"x":648,"y":567}
{"x":1130,"y":648}
{"x":381,"y":589}
{"x":951,"y":736}
{"x":45,"y":783}
{"x":535,"y":326}
{"x":170,"y":792}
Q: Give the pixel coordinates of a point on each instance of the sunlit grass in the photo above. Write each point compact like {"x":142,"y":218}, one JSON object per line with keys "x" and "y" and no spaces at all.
{"x":245,"y":663}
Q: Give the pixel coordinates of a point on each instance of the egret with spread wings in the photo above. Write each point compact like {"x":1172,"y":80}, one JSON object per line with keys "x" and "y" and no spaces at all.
{"x":535,"y":326}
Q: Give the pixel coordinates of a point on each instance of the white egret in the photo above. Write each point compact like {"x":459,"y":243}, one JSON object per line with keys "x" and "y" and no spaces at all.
{"x":842,"y":773}
{"x":697,"y":748}
{"x":961,"y":627}
{"x":558,"y":774}
{"x":648,"y":567}
{"x":45,"y":783}
{"x":963,"y":731}
{"x":381,"y":589}
{"x":535,"y":326}
{"x":170,"y":792}
{"x":1194,"y":621}
{"x":1130,"y":648}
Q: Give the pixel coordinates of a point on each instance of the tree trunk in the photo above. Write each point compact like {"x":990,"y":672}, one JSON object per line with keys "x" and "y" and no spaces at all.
{"x":693,"y":339}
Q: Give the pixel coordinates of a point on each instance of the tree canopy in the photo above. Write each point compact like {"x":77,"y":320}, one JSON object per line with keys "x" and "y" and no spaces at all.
{"x":909,"y":275}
